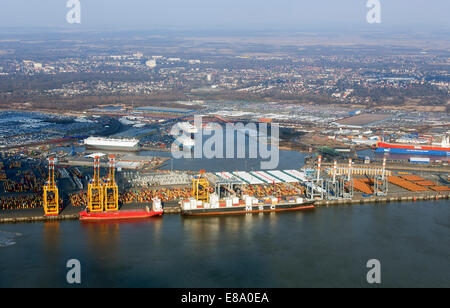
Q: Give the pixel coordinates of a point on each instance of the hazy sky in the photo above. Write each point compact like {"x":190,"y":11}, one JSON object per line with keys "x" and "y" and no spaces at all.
{"x":295,"y":15}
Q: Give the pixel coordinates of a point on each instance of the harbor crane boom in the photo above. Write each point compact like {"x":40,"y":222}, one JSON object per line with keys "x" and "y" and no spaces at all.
{"x":51,"y":195}
{"x":95,"y":190}
{"x":111,"y":190}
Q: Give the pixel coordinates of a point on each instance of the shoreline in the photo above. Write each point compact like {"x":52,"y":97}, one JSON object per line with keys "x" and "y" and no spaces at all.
{"x":177,"y":210}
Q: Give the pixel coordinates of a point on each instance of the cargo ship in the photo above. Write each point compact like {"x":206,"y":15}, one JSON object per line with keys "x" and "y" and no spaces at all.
{"x":400,"y":148}
{"x":121,"y":214}
{"x":249,"y":205}
{"x":156,"y":210}
{"x":116,"y":144}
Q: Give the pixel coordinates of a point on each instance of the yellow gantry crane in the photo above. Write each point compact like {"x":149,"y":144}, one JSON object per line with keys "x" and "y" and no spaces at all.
{"x":95,"y":190}
{"x":111,"y":190}
{"x":51,"y":195}
{"x":200,"y":187}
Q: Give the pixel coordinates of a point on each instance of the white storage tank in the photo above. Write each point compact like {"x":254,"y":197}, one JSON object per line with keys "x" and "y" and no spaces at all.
{"x":228,"y":202}
{"x":235,"y":200}
{"x":248,"y":201}
{"x":157,"y":207}
{"x":186,"y":205}
{"x":214,"y":198}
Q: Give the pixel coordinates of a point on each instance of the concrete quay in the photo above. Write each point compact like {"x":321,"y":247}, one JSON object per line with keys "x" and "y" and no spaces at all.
{"x":71,"y":213}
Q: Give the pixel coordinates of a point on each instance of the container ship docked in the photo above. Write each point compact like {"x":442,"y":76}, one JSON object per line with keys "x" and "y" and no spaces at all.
{"x":249,"y":205}
{"x":442,"y":149}
{"x":116,"y":144}
{"x":103,"y":198}
{"x":204,"y":201}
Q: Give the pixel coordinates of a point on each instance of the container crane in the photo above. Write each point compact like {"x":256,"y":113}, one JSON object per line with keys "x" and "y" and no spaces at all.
{"x":95,"y":190}
{"x":200,"y":187}
{"x":51,"y":195}
{"x":111,"y":190}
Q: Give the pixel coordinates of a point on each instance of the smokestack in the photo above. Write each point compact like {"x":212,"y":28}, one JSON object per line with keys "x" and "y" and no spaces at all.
{"x":334,"y":171}
{"x":349,"y":169}
{"x":319,"y":163}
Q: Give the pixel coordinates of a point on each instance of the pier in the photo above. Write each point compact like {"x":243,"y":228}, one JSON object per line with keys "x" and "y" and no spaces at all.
{"x":71,"y":212}
{"x":323,"y":185}
{"x":401,"y":167}
{"x":371,"y":200}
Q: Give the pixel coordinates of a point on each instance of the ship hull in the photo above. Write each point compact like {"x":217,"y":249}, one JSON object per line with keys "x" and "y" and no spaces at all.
{"x":235,"y":210}
{"x":117,"y":215}
{"x":113,"y":148}
{"x":413,"y":151}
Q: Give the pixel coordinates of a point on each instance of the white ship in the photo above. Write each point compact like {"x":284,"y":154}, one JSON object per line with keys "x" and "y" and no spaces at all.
{"x":112,"y":144}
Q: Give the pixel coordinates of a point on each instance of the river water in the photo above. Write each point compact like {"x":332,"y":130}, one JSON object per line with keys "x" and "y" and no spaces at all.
{"x":324,"y":247}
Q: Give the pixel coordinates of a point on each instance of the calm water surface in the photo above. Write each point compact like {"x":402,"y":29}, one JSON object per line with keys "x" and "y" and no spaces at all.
{"x":325,"y":247}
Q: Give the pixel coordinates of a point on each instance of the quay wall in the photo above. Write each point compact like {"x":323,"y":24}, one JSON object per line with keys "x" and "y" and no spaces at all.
{"x":177,"y":210}
{"x":386,"y":199}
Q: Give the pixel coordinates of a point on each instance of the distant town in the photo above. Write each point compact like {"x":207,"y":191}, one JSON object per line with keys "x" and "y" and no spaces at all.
{"x":90,"y":70}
